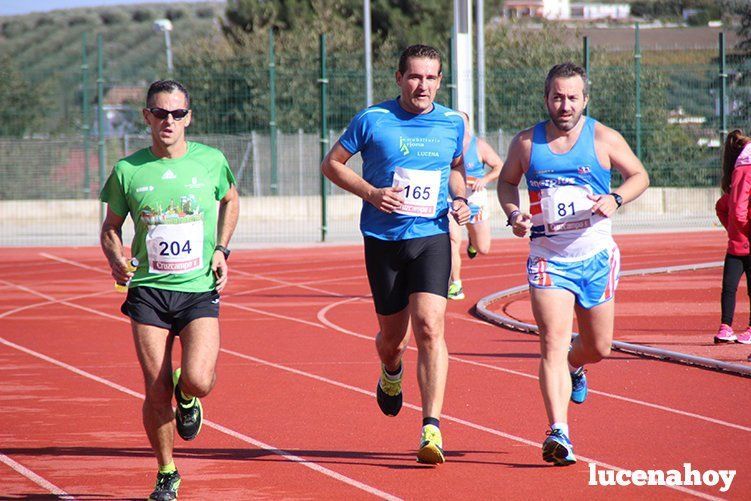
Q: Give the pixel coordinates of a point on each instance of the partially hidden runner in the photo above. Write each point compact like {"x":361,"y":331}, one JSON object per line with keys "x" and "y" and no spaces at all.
{"x":171,"y":191}
{"x":477,"y":155}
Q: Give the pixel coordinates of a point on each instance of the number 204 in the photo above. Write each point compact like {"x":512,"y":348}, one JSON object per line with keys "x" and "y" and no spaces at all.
{"x":174,"y":248}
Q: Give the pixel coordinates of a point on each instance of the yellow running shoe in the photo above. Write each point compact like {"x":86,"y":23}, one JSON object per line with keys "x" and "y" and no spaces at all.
{"x":456,"y":292}
{"x":166,"y":487}
{"x":431,"y":446}
{"x":389,"y":392}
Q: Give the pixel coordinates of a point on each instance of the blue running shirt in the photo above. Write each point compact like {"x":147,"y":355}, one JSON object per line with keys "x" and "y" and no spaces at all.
{"x":399,"y":148}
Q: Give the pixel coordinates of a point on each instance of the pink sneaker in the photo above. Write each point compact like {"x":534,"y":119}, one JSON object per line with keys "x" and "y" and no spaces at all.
{"x":744,"y":337}
{"x":725,"y":335}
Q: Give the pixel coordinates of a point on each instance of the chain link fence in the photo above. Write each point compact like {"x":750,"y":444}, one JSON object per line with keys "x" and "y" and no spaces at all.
{"x":48,"y":185}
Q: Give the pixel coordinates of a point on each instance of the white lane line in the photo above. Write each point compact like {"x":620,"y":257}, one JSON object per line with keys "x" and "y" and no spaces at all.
{"x":291,"y":457}
{"x":444,"y":417}
{"x":223,"y":429}
{"x":48,"y":302}
{"x":274,"y":315}
{"x":281,"y":283}
{"x":322,"y":318}
{"x":286,"y":283}
{"x":40,"y":481}
{"x":74,"y":263}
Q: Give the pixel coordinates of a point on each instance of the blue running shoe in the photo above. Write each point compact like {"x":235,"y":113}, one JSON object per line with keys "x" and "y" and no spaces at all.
{"x":578,"y":386}
{"x":557,"y":449}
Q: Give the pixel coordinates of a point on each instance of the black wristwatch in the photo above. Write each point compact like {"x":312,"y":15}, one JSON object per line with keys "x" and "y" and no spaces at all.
{"x":618,"y":199}
{"x":223,"y":250}
{"x":466,"y":202}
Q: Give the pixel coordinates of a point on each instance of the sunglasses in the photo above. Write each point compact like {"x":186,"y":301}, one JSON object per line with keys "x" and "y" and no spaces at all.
{"x":161,"y":113}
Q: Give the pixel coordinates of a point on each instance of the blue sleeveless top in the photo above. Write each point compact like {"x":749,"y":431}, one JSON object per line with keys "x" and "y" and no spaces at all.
{"x":473,"y":166}
{"x":577,"y":167}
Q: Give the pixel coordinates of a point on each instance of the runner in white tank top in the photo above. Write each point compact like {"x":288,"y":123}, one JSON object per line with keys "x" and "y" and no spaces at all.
{"x":573,"y":264}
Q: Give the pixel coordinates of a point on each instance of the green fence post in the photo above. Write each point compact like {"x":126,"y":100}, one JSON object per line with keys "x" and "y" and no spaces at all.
{"x":637,"y":71}
{"x":324,"y":132}
{"x":272,"y":114}
{"x":100,"y":118}
{"x":723,"y":89}
{"x":586,"y":67}
{"x":86,"y":126}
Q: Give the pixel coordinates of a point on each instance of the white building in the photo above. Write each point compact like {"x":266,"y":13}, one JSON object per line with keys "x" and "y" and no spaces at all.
{"x":564,"y":10}
{"x":600,"y":11}
{"x":548,"y":9}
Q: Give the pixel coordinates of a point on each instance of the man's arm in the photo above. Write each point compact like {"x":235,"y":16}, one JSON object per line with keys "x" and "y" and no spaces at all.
{"x":508,"y":183}
{"x":229,"y":212}
{"x":458,"y":188}
{"x":490,"y":158}
{"x":111,"y":240}
{"x":621,"y":158}
{"x":335,"y":169}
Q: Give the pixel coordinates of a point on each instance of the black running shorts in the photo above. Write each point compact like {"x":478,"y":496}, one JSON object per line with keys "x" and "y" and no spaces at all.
{"x":171,"y":310}
{"x":399,"y":268}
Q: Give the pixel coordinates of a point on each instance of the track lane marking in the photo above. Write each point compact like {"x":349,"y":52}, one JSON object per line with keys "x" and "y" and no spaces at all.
{"x":322,"y":318}
{"x":283,"y":453}
{"x":40,"y":481}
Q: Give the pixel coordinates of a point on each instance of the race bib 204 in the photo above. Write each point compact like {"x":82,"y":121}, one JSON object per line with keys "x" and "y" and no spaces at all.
{"x":175,"y":248}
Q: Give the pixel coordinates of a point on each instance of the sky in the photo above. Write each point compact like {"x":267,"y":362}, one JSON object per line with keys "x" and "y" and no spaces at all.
{"x":13,"y":7}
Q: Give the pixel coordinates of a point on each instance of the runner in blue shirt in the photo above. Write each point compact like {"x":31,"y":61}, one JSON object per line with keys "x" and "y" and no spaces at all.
{"x":412,"y":162}
{"x":477,"y":155}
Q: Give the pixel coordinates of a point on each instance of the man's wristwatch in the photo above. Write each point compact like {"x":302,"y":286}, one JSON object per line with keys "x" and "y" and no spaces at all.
{"x":223,"y":250}
{"x":618,"y":199}
{"x":466,"y":202}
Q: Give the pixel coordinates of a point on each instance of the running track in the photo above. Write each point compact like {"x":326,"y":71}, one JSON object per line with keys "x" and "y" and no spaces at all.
{"x":294,"y":416}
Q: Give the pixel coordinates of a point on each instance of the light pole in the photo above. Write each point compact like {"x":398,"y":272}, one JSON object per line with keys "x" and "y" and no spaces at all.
{"x":165,"y":26}
{"x":368,"y":54}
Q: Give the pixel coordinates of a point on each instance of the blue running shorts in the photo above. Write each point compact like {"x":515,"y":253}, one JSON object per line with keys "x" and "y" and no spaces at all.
{"x":592,"y":281}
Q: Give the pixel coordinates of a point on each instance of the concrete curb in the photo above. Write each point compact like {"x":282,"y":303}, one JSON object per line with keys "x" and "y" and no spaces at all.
{"x":484,"y":312}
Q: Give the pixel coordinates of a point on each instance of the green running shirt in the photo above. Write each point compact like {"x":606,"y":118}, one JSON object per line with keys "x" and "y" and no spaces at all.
{"x":173,"y":204}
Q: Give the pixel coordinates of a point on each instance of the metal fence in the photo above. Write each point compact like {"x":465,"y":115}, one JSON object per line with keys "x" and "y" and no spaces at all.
{"x":666,"y":103}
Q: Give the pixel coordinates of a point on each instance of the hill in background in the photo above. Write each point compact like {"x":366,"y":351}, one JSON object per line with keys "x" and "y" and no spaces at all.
{"x":49,"y":43}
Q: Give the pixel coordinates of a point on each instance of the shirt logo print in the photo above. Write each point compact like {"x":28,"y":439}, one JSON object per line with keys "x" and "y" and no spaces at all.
{"x":403,"y":146}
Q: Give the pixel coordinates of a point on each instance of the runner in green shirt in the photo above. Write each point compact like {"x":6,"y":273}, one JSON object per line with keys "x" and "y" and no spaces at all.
{"x":171,"y":191}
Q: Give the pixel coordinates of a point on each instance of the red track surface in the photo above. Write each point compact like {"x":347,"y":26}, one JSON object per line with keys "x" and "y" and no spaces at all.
{"x":293,"y":414}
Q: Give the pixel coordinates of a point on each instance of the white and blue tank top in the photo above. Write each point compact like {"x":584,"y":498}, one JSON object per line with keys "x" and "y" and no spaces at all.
{"x":563,"y":226}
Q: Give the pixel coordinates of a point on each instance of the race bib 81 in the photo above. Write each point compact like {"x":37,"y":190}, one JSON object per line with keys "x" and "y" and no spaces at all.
{"x":566,"y":208}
